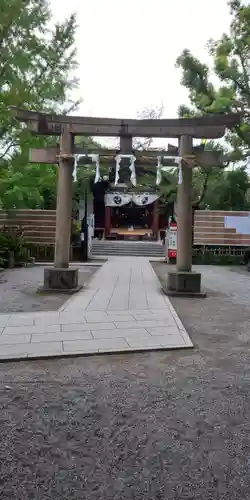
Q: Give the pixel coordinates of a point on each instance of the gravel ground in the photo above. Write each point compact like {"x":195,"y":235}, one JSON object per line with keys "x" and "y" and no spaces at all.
{"x":18,"y":290}
{"x":155,"y":426}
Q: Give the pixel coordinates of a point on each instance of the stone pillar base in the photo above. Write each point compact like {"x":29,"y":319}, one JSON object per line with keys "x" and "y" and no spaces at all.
{"x":186,"y":284}
{"x":61,"y":280}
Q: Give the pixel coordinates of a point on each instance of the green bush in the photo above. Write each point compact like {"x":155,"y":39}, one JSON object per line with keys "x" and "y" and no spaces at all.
{"x":12,"y":242}
{"x":201,"y":256}
{"x":208,"y":257}
{"x":75,"y":227}
{"x":3,"y":250}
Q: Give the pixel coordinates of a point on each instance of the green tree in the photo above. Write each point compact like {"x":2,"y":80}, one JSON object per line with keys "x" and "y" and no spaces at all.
{"x":29,"y":186}
{"x":85,"y":174}
{"x":228,"y":190}
{"x":37,"y":63}
{"x":231,"y":63}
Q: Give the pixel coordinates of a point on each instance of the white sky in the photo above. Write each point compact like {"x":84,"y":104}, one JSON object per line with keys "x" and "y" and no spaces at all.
{"x":127,"y":50}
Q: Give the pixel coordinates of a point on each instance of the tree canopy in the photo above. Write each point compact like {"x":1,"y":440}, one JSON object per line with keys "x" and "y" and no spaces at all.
{"x":231,"y":66}
{"x":230,"y":55}
{"x":37,"y":66}
{"x":37,"y":63}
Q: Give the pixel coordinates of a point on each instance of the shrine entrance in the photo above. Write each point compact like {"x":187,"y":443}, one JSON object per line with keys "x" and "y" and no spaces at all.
{"x":186,"y":156}
{"x":131,"y":222}
{"x":131,"y":216}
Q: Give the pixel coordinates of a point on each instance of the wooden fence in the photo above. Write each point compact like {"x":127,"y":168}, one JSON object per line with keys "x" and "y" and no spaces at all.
{"x":211,"y":228}
{"x":39,"y":226}
{"x":220,"y":228}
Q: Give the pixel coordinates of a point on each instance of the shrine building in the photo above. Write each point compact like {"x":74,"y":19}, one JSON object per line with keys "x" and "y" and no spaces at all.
{"x":122,"y":212}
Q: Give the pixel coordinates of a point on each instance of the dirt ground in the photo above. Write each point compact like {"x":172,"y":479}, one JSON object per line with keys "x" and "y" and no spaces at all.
{"x":155,"y":426}
{"x":18,"y":289}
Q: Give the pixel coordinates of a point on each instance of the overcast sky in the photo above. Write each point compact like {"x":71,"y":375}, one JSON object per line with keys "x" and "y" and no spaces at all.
{"x":127,"y":50}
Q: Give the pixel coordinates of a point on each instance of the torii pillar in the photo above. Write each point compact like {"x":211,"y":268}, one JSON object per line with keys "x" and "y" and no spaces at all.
{"x":183,"y":281}
{"x":184,"y":209}
{"x":61,"y":277}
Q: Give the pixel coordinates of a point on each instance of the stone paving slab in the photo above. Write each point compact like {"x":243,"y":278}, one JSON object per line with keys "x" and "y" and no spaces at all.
{"x":122,"y":310}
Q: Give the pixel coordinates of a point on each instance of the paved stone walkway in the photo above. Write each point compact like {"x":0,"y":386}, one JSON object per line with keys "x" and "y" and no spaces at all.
{"x":122,"y":309}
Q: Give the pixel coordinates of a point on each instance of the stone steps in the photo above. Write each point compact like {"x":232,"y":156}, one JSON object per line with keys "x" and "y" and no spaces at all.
{"x":128,"y":248}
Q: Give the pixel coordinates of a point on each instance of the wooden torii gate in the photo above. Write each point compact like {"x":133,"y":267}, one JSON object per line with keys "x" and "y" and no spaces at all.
{"x":183,"y":280}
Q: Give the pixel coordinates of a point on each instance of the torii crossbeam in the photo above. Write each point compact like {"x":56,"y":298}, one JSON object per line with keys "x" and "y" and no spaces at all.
{"x":204,"y":159}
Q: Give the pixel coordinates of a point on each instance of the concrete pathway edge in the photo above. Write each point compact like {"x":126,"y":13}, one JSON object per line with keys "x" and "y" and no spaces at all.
{"x":121,"y":310}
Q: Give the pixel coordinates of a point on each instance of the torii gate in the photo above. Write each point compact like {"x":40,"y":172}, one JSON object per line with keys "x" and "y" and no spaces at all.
{"x":183,"y":280}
